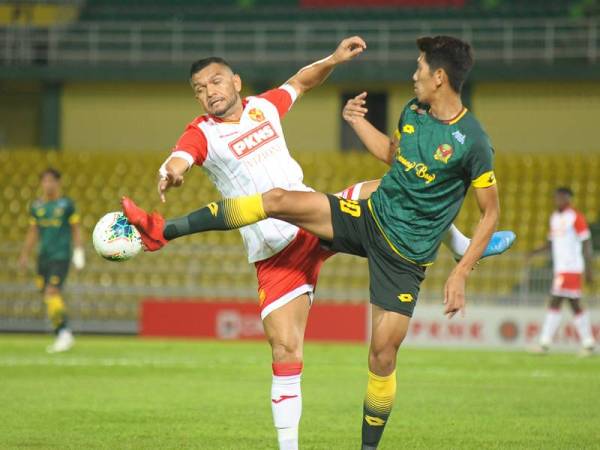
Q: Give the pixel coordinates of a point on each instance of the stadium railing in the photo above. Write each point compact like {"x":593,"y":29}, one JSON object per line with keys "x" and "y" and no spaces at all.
{"x":510,"y":41}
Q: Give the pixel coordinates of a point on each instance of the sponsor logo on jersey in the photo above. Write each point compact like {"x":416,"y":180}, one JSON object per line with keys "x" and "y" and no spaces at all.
{"x":443,"y":153}
{"x":253,"y":140}
{"x":421,"y":169}
{"x":408,"y":129}
{"x":459,"y":136}
{"x":256,"y":115}
{"x":405,"y":298}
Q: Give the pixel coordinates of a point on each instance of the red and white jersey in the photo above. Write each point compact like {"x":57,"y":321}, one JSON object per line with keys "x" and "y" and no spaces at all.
{"x":568,"y":229}
{"x":249,"y":157}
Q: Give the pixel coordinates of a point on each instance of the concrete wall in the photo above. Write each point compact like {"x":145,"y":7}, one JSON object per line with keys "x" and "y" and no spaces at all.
{"x":540,"y":117}
{"x":19,"y":114}
{"x":524,"y":116}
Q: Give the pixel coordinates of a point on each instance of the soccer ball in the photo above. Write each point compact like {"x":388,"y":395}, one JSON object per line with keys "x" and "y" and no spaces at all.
{"x":115,"y":238}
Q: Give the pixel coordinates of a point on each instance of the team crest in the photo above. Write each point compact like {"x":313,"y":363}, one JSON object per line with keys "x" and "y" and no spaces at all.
{"x":408,"y":129}
{"x":256,"y":115}
{"x":443,"y":153}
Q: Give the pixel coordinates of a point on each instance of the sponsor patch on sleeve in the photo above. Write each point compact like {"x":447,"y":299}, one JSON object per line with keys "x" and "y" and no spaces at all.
{"x":484,"y":180}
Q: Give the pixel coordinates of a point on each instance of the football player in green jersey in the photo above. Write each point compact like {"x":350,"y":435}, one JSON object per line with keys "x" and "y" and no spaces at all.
{"x":54,"y":223}
{"x":437,"y":152}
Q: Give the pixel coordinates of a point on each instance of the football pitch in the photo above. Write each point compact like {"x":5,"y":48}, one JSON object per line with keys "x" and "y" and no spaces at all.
{"x":130,"y":393}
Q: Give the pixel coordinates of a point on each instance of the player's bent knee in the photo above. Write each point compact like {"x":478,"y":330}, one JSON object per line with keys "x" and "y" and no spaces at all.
{"x":383,"y":360}
{"x":286,"y":351}
{"x":274,"y":201}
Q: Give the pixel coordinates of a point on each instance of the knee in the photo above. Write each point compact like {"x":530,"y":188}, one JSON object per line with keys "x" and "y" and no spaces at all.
{"x":575,"y":305}
{"x":51,"y":290}
{"x":274,"y":201}
{"x":382,"y":359}
{"x":287,"y":350}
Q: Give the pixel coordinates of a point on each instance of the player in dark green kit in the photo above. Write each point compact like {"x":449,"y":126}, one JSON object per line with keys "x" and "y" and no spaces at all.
{"x":55,"y":224}
{"x":437,"y":152}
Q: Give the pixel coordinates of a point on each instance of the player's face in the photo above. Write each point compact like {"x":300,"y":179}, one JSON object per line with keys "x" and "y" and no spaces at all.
{"x":561,"y":200}
{"x":425,"y":82}
{"x":50,"y":185}
{"x":217,"y":89}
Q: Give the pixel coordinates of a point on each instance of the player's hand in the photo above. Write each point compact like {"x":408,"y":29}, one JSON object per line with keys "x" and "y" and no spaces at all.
{"x":348,"y":49}
{"x":454,"y":294}
{"x":78,"y":258}
{"x":355,"y":108}
{"x":167,"y":182}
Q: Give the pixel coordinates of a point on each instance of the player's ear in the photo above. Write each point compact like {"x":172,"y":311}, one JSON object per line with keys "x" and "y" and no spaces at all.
{"x":439,"y":76}
{"x":237,"y":83}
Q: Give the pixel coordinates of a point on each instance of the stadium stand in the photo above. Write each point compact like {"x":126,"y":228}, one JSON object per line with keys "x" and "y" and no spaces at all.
{"x":213,"y":265}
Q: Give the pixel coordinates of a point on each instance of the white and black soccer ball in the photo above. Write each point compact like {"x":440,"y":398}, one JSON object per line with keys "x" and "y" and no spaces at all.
{"x":115,"y":238}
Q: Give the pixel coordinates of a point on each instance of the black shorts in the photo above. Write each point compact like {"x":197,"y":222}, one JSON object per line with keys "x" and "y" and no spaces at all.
{"x":52,"y":272}
{"x":394,"y":282}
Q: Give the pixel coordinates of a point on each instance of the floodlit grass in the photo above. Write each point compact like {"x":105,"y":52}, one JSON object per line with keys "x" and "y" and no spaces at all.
{"x":129,"y":393}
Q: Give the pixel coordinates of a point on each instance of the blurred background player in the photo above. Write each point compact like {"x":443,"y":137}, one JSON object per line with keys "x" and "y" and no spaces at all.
{"x":54,"y":224}
{"x":240,"y":143}
{"x":570,"y":241}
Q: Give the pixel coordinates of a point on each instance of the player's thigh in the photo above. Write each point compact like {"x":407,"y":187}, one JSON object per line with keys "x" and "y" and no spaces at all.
{"x":57,"y":274}
{"x":575,"y":305}
{"x":285,"y":326}
{"x":308,"y":210}
{"x":555,"y":302}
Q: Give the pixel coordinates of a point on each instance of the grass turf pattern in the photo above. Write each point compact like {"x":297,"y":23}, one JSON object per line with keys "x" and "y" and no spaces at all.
{"x":130,"y":393}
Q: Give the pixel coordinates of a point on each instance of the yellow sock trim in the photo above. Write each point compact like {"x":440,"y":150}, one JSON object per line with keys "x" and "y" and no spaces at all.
{"x":55,"y":308}
{"x":381,"y":391}
{"x":242,"y":211}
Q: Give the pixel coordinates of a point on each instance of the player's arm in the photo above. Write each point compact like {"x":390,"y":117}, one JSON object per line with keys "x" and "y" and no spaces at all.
{"x":30,"y":240}
{"x":588,"y":255}
{"x":489,"y":206}
{"x":314,"y":74}
{"x":171,"y":174}
{"x":378,"y":144}
{"x":191,"y":149}
{"x":78,"y":252}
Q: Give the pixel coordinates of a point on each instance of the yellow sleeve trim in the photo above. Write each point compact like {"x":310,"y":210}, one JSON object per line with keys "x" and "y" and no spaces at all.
{"x":397,"y":134}
{"x":484,"y":180}
{"x":74,"y":219}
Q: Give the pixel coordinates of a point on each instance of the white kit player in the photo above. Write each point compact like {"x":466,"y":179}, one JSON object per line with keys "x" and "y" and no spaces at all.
{"x":240,"y":145}
{"x":570,"y":241}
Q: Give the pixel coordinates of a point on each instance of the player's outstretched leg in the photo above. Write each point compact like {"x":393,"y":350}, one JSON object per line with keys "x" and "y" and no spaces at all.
{"x":389,"y":329}
{"x":308,"y":210}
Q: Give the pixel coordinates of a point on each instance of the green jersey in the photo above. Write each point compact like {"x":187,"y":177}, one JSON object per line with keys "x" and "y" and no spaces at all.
{"x":54,"y":219}
{"x":435,"y":163}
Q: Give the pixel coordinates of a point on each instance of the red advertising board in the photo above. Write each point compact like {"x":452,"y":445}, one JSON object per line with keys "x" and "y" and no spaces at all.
{"x":234,"y":320}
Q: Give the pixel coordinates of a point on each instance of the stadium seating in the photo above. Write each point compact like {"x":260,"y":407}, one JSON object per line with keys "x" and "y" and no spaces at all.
{"x":214,"y":265}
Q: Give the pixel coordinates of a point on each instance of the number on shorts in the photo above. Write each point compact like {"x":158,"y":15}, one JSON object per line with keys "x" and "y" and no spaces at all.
{"x":351,"y":207}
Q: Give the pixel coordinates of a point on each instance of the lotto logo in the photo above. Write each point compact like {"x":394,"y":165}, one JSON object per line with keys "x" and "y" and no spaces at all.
{"x":252,"y":140}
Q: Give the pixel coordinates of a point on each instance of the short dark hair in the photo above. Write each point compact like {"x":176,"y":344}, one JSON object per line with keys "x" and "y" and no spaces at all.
{"x":564,"y":190}
{"x":448,"y":53}
{"x":200,"y":64}
{"x":51,"y":171}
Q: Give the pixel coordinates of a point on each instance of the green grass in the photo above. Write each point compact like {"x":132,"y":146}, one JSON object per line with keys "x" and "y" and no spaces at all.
{"x":128,"y":393}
